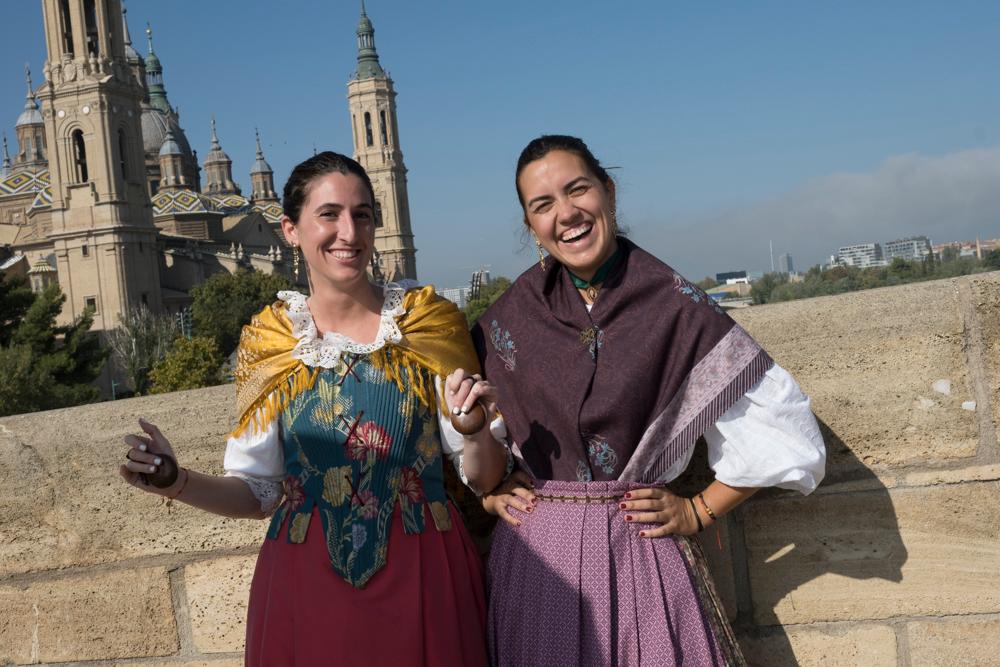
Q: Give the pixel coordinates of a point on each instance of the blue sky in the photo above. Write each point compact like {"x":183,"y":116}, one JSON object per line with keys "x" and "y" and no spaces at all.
{"x":812,"y":124}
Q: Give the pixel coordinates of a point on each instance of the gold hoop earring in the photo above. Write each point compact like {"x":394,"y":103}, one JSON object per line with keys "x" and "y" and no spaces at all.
{"x":295,"y":262}
{"x":541,"y":255}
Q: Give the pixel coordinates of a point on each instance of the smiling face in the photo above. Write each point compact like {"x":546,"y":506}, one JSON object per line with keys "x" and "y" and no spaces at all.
{"x":570,"y":211}
{"x":335,"y":230}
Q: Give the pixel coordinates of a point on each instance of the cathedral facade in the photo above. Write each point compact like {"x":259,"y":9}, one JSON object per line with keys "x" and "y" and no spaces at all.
{"x":105,"y":195}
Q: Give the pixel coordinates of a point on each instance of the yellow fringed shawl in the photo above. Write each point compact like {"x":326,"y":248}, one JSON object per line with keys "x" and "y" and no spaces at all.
{"x":435,"y":338}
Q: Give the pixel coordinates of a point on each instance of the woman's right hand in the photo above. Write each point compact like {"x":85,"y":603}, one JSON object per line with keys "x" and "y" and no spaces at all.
{"x":516,"y":491}
{"x":145,"y":454}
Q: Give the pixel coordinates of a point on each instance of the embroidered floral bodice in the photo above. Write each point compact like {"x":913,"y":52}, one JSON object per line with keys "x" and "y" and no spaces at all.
{"x":357,"y":449}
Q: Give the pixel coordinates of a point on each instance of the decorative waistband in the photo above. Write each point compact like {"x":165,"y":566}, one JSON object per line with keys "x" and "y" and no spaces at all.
{"x":578,"y":499}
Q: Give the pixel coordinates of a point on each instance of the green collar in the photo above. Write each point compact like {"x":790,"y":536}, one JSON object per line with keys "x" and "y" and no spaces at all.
{"x":599,"y":275}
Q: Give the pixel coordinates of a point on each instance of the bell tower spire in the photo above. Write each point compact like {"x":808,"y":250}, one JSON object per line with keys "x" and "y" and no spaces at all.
{"x":262,"y":177}
{"x":30,"y":131}
{"x":102,"y":230}
{"x":372,"y":102}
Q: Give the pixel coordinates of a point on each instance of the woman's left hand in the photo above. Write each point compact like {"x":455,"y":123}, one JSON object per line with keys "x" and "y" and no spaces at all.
{"x":463,"y":390}
{"x":671,"y":513}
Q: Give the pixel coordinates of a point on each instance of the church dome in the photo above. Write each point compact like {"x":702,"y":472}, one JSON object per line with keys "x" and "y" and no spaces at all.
{"x":155,"y":124}
{"x":170,"y":146}
{"x":31,"y":115}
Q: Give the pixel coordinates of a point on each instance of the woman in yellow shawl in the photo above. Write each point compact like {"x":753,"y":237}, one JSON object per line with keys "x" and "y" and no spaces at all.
{"x":341,"y":438}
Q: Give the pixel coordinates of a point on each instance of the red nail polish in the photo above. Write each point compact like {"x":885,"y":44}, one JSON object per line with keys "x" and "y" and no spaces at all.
{"x":628,"y":495}
{"x":623,"y":506}
{"x":642,"y":533}
{"x":628,"y":517}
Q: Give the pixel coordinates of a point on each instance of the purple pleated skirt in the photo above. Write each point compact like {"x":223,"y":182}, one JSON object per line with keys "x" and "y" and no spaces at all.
{"x":576,"y":585}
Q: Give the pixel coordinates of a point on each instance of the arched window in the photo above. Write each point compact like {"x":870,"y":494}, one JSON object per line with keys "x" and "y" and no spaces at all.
{"x":79,"y":157}
{"x":90,"y":21}
{"x":378,"y":215}
{"x":369,"y":139}
{"x":121,"y":154}
{"x":382,"y":127}
{"x":67,"y":26}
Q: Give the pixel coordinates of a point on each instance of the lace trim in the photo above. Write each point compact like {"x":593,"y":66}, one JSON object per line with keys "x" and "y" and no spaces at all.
{"x":266,"y":491}
{"x":325,"y":352}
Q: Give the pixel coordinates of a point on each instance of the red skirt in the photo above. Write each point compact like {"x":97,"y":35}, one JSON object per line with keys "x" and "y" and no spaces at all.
{"x":426,"y":606}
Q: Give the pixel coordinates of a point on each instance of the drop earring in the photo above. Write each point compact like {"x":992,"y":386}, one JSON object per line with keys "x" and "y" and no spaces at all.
{"x":295,"y":262}
{"x":541,"y":255}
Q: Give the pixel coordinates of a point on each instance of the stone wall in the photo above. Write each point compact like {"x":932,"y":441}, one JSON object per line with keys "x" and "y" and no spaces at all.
{"x":895,"y":560}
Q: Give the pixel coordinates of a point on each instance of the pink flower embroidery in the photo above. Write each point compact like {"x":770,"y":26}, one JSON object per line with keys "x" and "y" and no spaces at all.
{"x":369,"y":436}
{"x":294,"y":494}
{"x":368,"y":502}
{"x":410,"y":485}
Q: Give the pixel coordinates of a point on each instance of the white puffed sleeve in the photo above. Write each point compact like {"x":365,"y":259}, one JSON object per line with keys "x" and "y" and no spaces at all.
{"x":453,"y":443}
{"x":769,"y":438}
{"x":256,"y":457}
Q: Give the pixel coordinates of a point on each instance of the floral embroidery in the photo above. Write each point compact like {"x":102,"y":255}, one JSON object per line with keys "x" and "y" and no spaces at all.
{"x":294,"y":495}
{"x":601,"y":454}
{"x":337,"y":485}
{"x":368,"y":503}
{"x":359,"y":535}
{"x":441,"y":515}
{"x":593,"y":338}
{"x":410,"y":485}
{"x":368,"y":437}
{"x":583,"y":473}
{"x":504,"y":345}
{"x":297,"y":531}
{"x":694,"y":292}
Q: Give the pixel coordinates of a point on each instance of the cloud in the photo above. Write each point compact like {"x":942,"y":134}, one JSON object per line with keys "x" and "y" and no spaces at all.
{"x":948,"y":197}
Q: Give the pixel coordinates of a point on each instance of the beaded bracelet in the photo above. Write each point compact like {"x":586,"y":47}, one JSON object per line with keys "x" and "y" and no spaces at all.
{"x":708,"y":510}
{"x":697,"y":518}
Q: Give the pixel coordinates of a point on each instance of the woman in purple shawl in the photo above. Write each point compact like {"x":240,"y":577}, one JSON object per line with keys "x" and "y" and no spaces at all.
{"x":607,"y":367}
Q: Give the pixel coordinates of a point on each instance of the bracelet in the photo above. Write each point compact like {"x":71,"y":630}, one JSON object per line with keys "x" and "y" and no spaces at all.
{"x":708,"y":510}
{"x":187,"y":476}
{"x":697,"y":518}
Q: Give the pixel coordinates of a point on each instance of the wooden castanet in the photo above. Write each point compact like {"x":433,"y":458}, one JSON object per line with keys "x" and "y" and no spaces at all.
{"x":471,"y":422}
{"x":165,"y":475}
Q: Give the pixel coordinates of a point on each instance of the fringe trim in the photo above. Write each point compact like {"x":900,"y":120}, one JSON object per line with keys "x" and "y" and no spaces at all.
{"x":276,"y":398}
{"x":404,"y":368}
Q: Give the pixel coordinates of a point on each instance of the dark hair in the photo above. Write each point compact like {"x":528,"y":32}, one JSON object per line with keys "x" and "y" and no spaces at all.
{"x":545,"y":144}
{"x":321,"y":164}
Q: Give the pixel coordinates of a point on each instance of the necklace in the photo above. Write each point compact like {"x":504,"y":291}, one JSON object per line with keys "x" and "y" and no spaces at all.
{"x":593,"y":286}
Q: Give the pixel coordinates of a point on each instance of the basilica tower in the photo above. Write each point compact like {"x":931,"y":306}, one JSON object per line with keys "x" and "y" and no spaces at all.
{"x":102,"y":230}
{"x":372,"y":103}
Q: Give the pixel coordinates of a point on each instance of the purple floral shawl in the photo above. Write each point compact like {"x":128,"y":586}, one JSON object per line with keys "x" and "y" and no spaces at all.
{"x":624,"y":391}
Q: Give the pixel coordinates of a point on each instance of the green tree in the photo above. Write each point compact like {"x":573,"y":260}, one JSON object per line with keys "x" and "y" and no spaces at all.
{"x":487,"y":295}
{"x":191,"y":363}
{"x":761,"y":289}
{"x":707,"y":283}
{"x":226,"y":301}
{"x":45,"y":366}
{"x":992,"y":260}
{"x":15,"y":299}
{"x":140,"y":340}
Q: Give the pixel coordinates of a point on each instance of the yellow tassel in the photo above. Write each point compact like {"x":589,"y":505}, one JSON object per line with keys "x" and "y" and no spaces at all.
{"x":276,"y":398}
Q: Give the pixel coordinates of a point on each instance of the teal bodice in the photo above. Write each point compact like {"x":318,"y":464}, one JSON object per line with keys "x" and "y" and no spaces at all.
{"x":357,"y":448}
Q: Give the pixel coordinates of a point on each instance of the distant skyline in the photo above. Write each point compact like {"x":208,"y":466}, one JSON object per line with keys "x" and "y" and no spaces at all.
{"x":812,"y":126}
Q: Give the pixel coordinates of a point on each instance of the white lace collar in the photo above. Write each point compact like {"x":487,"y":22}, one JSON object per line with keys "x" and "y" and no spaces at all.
{"x":325,"y":352}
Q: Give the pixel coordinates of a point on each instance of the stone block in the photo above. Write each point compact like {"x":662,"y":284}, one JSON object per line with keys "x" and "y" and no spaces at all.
{"x":955,"y":476}
{"x":986,"y":301}
{"x":868,"y":645}
{"x":875,"y":555}
{"x":217,"y":594}
{"x":970,"y":642}
{"x":220,"y":662}
{"x":102,"y":616}
{"x":870,"y":360}
{"x":65,"y":505}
